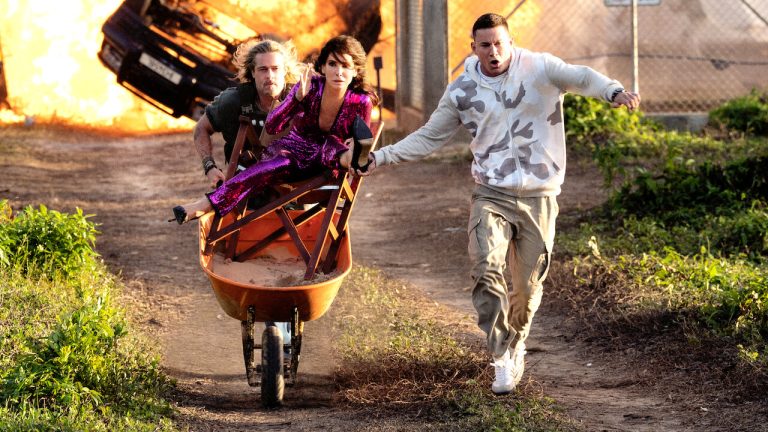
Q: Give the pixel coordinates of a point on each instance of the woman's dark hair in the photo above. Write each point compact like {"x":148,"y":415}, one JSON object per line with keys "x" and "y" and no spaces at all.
{"x":344,"y":44}
{"x":489,"y":21}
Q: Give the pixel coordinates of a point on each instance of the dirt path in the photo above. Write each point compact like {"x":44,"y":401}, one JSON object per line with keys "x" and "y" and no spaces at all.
{"x":414,"y":219}
{"x":410,"y":223}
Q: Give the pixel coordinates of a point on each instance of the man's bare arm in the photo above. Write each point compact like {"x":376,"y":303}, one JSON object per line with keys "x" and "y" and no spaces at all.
{"x":202,"y":137}
{"x":204,"y":145}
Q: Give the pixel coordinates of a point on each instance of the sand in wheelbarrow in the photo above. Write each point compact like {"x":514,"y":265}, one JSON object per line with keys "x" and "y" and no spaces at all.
{"x":268,"y":271}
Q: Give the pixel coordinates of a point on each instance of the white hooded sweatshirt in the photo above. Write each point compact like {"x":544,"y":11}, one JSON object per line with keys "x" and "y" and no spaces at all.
{"x":518,"y":136}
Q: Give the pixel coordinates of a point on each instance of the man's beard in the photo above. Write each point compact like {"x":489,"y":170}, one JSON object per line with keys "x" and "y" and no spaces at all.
{"x":271,"y":89}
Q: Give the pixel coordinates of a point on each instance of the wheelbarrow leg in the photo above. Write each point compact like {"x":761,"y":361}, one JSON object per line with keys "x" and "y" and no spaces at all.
{"x":248,"y":328}
{"x":297,"y":330}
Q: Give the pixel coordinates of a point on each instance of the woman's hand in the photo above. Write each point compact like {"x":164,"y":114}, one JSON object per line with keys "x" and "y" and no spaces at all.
{"x":305,"y":81}
{"x":368,"y":170}
{"x":345,"y":160}
{"x":215,"y":176}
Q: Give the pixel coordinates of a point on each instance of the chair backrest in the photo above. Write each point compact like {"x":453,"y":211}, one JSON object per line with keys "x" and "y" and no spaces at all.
{"x":331,"y":192}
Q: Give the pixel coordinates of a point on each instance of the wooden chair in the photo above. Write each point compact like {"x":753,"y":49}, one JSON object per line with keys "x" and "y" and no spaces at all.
{"x":333,"y":191}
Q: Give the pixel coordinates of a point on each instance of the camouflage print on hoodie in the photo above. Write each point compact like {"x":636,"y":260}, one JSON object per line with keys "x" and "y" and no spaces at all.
{"x":518,"y":137}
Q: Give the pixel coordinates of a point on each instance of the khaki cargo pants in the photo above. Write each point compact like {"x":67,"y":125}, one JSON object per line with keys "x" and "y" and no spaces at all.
{"x":520,"y":231}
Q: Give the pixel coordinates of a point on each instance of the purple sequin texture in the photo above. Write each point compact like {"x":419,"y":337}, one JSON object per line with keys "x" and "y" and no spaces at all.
{"x":305,"y":151}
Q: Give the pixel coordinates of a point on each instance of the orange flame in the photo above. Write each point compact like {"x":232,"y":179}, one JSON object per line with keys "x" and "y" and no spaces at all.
{"x":319,"y":21}
{"x":53,"y":74}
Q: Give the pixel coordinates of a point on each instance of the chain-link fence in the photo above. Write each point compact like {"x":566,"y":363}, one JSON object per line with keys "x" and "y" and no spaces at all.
{"x":692,"y":54}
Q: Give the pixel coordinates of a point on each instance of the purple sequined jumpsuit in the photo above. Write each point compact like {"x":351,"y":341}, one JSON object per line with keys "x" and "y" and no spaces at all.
{"x":305,"y":151}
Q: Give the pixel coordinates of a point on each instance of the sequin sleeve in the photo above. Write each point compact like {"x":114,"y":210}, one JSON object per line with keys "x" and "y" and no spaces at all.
{"x":365,"y":110}
{"x":280,"y":117}
{"x":360,"y":105}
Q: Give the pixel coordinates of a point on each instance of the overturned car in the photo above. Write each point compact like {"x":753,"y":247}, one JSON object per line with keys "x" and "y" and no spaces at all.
{"x":177,"y":56}
{"x":172,"y":57}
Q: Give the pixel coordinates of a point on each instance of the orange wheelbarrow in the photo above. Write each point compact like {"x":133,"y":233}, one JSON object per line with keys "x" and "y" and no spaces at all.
{"x":312,"y":242}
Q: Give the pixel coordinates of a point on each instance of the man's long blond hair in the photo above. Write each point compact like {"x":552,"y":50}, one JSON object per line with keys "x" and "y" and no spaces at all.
{"x":245,"y":58}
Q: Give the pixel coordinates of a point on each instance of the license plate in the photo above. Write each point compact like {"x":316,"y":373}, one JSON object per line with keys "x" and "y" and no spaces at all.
{"x":110,"y":57}
{"x":156,"y":66}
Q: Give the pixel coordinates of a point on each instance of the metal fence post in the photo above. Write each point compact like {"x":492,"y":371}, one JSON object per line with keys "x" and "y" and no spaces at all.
{"x":635,"y":53}
{"x":435,"y":54}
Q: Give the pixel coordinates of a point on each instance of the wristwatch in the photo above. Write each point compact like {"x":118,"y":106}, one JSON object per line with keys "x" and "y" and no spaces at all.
{"x":616,"y":93}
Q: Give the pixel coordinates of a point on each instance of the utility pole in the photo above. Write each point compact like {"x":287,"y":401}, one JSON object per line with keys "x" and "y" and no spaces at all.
{"x":378,"y":63}
{"x":3,"y":88}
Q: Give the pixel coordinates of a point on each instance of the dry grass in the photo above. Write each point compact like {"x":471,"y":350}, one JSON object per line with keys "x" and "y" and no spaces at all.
{"x":403,"y":349}
{"x":405,"y":355}
{"x":669,"y":351}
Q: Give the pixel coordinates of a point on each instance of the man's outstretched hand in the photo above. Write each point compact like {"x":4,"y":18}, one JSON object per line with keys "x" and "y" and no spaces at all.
{"x":630,"y":100}
{"x":345,"y":160}
{"x":368,"y":170}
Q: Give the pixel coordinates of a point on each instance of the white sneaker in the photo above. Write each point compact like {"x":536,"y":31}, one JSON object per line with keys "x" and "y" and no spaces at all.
{"x":517,"y":363}
{"x":504,"y":382}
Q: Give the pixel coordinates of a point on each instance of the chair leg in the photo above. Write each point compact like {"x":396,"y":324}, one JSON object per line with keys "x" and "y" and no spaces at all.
{"x":233,"y":239}
{"x":215,"y":227}
{"x":290,"y":227}
{"x":348,"y":195}
{"x":326,"y":229}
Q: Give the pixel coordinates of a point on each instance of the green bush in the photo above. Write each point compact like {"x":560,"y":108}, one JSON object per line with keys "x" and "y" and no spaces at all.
{"x":727,"y":296}
{"x":687,"y":191}
{"x":6,"y":241}
{"x":81,"y":366}
{"x":42,"y":420}
{"x":731,"y":199}
{"x":68,"y":360}
{"x":748,"y":114}
{"x":742,"y":233}
{"x":69,"y":368}
{"x":588,"y":118}
{"x":686,"y":229}
{"x":611,"y":136}
{"x":45,"y":240}
{"x":624,"y":143}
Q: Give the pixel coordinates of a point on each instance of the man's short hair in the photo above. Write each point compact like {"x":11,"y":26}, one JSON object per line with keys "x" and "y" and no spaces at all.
{"x":245,"y":58}
{"x":488,"y":21}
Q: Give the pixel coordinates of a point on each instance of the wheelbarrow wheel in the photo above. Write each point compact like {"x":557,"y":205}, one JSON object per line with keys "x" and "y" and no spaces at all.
{"x":272,"y":381}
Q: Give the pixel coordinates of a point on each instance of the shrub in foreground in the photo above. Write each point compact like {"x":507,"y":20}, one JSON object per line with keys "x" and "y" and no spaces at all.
{"x":46,"y":241}
{"x":68,"y":360}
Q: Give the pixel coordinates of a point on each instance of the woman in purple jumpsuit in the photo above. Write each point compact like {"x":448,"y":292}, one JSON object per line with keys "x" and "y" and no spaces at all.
{"x":321,"y":109}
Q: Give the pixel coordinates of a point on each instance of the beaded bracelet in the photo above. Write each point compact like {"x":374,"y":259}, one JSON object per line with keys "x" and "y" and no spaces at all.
{"x":208,"y":164}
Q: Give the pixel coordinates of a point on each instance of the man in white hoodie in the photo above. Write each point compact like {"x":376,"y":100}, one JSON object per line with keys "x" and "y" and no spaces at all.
{"x":510,"y":100}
